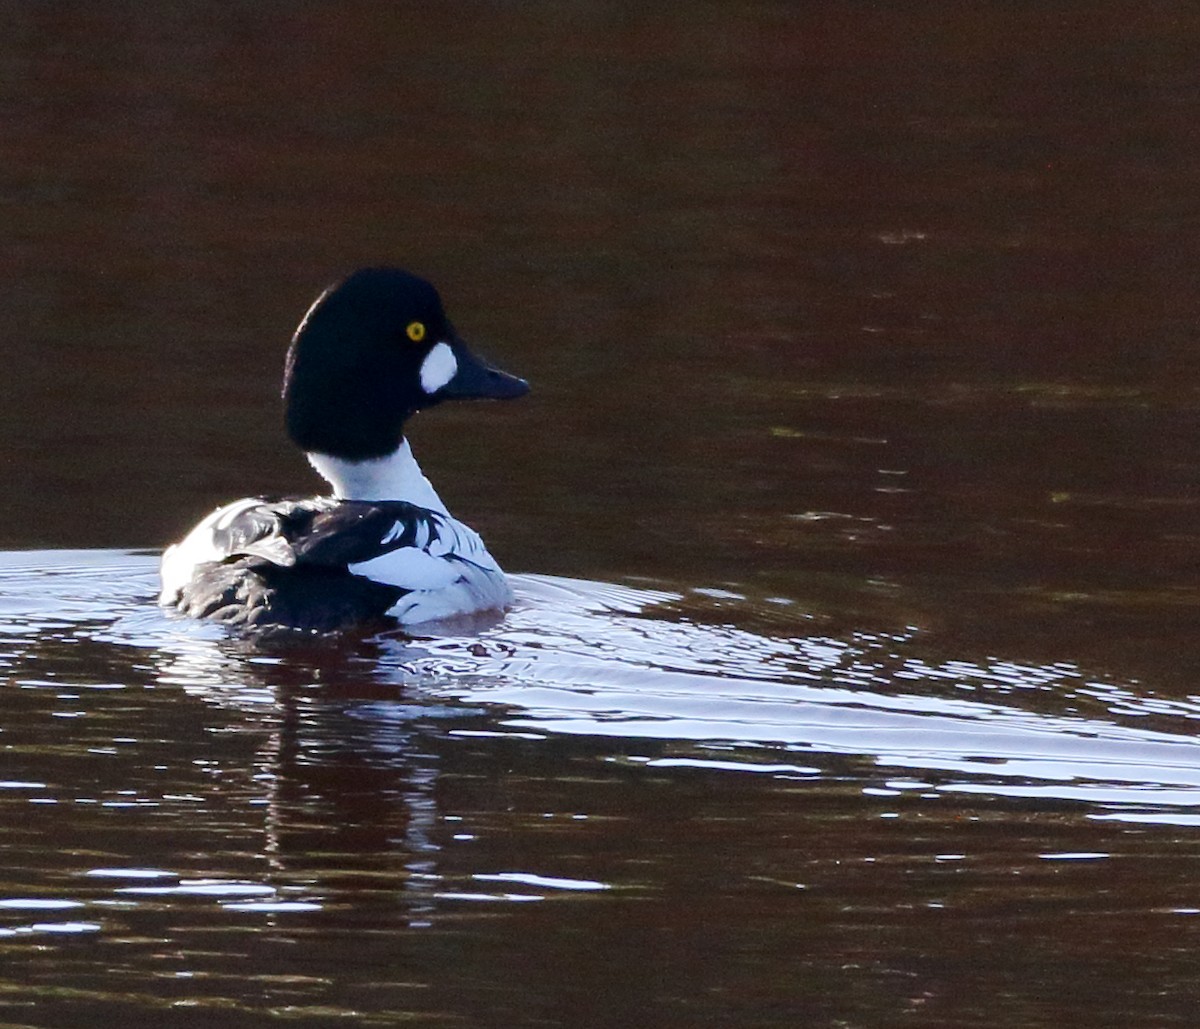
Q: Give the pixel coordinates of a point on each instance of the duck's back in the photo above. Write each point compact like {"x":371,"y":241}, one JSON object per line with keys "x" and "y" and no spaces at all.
{"x":323,"y":564}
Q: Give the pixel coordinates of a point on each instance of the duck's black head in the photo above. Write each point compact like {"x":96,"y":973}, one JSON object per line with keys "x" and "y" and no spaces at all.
{"x":373,"y":350}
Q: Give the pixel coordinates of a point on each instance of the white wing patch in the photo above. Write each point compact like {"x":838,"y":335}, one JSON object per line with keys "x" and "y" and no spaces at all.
{"x":429,"y":563}
{"x":410,"y":568}
{"x":394,"y":533}
{"x":450,"y":575}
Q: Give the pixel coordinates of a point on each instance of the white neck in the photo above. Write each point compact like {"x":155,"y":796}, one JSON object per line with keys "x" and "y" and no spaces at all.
{"x":394,"y":477}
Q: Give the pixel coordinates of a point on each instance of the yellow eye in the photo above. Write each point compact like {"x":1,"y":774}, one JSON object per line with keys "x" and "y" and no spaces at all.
{"x":416,"y":331}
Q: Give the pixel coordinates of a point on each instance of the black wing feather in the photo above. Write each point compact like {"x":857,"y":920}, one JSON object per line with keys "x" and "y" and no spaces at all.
{"x":285,"y":563}
{"x":356,"y":531}
{"x":254,"y":594}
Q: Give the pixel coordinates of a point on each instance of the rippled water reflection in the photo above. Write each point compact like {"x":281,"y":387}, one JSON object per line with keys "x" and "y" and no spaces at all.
{"x":864,"y":419}
{"x":622,"y":783}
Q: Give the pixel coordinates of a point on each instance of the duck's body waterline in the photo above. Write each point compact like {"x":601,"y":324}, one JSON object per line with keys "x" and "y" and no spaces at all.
{"x":367,"y":355}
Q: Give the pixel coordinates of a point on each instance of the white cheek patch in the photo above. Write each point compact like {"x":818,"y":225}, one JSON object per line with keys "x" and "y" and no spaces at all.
{"x":438,"y":368}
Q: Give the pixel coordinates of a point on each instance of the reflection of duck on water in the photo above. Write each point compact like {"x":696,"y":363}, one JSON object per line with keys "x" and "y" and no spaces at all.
{"x":369,"y":354}
{"x":343,"y":785}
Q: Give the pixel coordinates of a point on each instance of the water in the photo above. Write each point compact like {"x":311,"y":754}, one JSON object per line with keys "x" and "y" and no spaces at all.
{"x":852,"y":676}
{"x":613,"y":801}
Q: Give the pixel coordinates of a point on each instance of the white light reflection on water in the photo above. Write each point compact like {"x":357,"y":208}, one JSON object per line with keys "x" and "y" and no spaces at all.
{"x":601,"y":660}
{"x":549,"y":882}
{"x":571,"y":659}
{"x":35,"y":904}
{"x":51,"y":927}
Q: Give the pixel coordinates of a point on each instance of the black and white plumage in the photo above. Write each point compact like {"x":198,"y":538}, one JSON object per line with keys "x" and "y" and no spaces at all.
{"x":370,"y":352}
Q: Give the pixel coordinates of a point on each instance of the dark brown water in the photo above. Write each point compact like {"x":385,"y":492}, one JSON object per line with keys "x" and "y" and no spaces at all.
{"x":853,"y":676}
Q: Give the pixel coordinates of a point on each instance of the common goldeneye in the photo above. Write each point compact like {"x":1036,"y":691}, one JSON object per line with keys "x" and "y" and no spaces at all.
{"x":371,"y":352}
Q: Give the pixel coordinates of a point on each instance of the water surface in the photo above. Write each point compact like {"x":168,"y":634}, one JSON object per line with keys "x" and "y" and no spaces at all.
{"x":852,"y":514}
{"x":616,"y":789}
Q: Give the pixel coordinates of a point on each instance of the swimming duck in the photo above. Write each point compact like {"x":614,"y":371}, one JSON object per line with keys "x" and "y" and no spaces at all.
{"x":372,"y":351}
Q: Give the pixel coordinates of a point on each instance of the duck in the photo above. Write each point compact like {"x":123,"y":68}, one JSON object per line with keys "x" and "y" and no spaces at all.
{"x":381,"y":546}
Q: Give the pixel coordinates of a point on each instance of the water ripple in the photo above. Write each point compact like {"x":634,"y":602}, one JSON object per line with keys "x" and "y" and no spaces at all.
{"x":611,"y":661}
